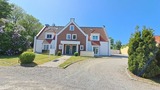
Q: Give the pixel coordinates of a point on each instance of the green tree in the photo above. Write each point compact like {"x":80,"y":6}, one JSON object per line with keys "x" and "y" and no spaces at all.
{"x":118,"y":45}
{"x":142,"y":52}
{"x":112,"y":42}
{"x":32,"y":26}
{"x":16,"y":14}
{"x":5,"y":8}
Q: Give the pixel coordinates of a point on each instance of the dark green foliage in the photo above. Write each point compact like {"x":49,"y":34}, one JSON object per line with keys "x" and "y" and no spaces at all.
{"x":27,"y":57}
{"x":158,"y":56}
{"x":76,"y":54}
{"x":12,"y":42}
{"x":59,"y":53}
{"x":118,"y":45}
{"x":5,"y":9}
{"x":142,"y":48}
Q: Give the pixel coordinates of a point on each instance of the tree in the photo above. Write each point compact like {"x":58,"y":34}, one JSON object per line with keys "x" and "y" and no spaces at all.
{"x":112,"y":42}
{"x":142,"y":54}
{"x":12,"y":42}
{"x":16,"y":14}
{"x":32,"y":26}
{"x":118,"y":45}
{"x":5,"y":8}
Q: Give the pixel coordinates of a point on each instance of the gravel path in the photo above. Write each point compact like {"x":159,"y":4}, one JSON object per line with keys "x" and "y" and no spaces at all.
{"x":96,"y":74}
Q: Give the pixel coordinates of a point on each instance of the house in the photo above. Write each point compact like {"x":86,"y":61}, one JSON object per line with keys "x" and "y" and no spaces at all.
{"x":72,"y":38}
{"x":157,"y":39}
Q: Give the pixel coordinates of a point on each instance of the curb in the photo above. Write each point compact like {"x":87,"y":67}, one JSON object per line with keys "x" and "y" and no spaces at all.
{"x":141,"y":79}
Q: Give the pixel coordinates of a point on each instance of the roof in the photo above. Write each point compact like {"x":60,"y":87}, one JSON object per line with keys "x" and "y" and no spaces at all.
{"x":95,"y":43}
{"x":157,"y":39}
{"x":86,"y":30}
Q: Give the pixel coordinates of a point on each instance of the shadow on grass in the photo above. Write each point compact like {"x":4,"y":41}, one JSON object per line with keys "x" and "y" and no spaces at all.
{"x":8,"y":57}
{"x":33,"y":64}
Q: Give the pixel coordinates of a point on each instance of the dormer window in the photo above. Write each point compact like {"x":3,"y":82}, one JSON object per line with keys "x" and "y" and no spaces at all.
{"x":71,"y":28}
{"x":95,"y":37}
{"x":49,"y":36}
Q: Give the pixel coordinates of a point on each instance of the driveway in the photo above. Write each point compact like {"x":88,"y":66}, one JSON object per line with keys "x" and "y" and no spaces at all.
{"x":106,"y":73}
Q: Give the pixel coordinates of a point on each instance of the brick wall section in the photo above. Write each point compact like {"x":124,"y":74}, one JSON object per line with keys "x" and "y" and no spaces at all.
{"x":80,"y":36}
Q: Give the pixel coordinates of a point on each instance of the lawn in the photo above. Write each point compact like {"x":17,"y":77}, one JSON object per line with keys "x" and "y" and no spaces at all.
{"x":72,"y":60}
{"x":13,"y":60}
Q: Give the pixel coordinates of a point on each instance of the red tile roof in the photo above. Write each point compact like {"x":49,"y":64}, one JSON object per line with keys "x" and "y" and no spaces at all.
{"x":95,"y":43}
{"x":49,"y":40}
{"x":157,"y":39}
{"x":87,"y":30}
{"x":100,"y":30}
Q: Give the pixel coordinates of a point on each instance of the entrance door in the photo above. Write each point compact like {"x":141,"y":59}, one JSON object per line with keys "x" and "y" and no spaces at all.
{"x":73,"y":49}
{"x":67,"y":49}
{"x":96,"y":50}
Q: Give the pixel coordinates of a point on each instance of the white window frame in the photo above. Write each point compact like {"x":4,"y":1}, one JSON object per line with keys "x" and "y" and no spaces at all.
{"x":98,"y":49}
{"x":67,"y":37}
{"x":45,"y":45}
{"x":60,"y":46}
{"x":81,"y":47}
{"x":75,"y":35}
{"x":70,"y":27}
{"x":98,"y":35}
{"x":49,"y":34}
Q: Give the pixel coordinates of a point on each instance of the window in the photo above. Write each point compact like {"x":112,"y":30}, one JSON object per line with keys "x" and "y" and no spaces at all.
{"x":49,"y":36}
{"x":96,"y":50}
{"x":50,"y":46}
{"x":74,"y":36}
{"x":68,"y":36}
{"x":46,"y":47}
{"x":81,"y":47}
{"x":60,"y":46}
{"x":95,"y":37}
{"x":71,"y":28}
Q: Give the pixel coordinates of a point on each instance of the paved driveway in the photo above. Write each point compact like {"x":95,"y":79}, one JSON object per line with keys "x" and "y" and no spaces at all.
{"x":96,"y":74}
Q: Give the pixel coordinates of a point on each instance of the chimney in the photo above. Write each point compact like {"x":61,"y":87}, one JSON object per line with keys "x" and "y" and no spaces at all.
{"x":72,"y":19}
{"x":47,"y":25}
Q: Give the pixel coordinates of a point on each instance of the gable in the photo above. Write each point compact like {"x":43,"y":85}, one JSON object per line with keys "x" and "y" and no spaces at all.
{"x":76,"y":27}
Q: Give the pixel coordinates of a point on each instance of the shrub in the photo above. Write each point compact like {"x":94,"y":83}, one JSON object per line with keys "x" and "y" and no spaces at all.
{"x":26,"y":57}
{"x":142,"y":52}
{"x":59,"y":53}
{"x":76,"y":54}
{"x":30,"y":50}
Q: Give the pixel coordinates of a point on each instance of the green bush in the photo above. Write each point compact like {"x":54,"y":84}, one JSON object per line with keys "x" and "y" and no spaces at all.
{"x":142,"y":54}
{"x":26,"y":57}
{"x":76,"y":54}
{"x":30,"y":50}
{"x":59,"y":53}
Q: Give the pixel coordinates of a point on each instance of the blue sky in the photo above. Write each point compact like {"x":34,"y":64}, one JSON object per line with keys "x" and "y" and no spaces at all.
{"x":119,"y":16}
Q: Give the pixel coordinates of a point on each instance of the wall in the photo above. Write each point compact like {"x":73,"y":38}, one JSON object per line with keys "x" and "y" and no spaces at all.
{"x":115,"y":52}
{"x":87,"y":53}
{"x":124,"y":50}
{"x":80,"y":36}
{"x":104,"y":50}
{"x":38,"y":46}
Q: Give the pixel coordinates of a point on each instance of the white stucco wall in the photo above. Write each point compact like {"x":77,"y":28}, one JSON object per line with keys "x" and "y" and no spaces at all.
{"x":38,"y":46}
{"x":89,"y":46}
{"x":104,"y":48}
{"x":53,"y":44}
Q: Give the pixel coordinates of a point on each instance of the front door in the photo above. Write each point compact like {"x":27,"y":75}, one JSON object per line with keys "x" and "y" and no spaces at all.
{"x":73,"y":49}
{"x":67,"y":49}
{"x":96,"y":50}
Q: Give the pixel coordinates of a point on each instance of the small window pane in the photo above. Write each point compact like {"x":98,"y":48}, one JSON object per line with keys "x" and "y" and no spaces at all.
{"x":71,"y":27}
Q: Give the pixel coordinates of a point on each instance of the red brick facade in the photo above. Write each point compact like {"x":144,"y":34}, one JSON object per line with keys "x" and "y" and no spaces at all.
{"x":80,"y":37}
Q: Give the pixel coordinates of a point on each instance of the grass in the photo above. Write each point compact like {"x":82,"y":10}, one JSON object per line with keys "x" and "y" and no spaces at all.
{"x":72,"y":60}
{"x":13,"y":60}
